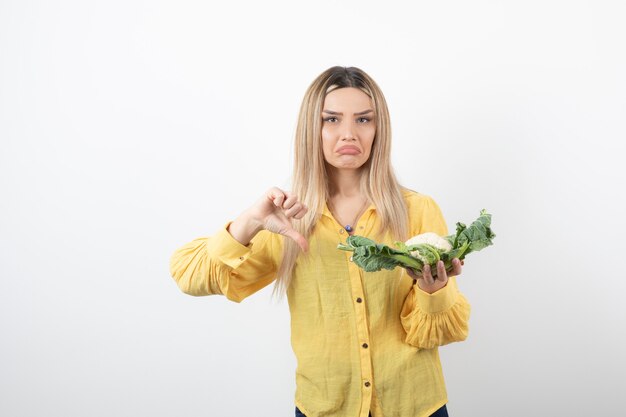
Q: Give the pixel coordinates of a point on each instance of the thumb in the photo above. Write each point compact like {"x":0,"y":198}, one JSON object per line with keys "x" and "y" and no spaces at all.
{"x":298,"y":238}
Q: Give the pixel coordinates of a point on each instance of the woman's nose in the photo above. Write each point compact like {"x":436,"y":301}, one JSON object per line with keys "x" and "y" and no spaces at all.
{"x":347,"y":133}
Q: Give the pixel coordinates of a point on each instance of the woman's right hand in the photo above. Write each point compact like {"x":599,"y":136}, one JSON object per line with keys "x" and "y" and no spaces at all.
{"x":274,"y":211}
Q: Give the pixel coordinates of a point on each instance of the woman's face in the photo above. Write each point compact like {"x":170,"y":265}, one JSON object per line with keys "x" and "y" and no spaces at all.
{"x":348,"y":128}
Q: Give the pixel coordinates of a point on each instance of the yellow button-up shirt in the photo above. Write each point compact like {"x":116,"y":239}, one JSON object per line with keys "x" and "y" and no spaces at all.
{"x":364,"y":341}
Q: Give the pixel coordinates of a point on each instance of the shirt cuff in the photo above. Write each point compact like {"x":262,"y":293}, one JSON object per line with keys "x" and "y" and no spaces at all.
{"x":440,"y":300}
{"x":227,"y":249}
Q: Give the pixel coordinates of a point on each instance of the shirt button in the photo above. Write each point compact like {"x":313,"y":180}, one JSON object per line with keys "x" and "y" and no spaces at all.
{"x":241,"y":258}
{"x":367,"y":383}
{"x":341,"y":231}
{"x":359,"y":300}
{"x":364,"y":345}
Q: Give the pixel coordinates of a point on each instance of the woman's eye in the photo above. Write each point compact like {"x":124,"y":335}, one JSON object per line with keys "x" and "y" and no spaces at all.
{"x":363,"y":119}
{"x":330,"y":119}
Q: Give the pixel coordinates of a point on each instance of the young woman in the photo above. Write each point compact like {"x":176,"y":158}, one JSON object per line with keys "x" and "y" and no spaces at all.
{"x":364,"y":342}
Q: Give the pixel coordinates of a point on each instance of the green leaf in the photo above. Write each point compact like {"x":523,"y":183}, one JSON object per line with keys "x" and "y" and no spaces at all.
{"x":401,"y":246}
{"x":372,"y":256}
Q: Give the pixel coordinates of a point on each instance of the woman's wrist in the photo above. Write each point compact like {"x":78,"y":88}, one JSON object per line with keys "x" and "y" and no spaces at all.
{"x":244,"y":228}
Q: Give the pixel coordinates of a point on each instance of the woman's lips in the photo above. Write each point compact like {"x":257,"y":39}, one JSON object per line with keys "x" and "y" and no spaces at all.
{"x":348,"y":150}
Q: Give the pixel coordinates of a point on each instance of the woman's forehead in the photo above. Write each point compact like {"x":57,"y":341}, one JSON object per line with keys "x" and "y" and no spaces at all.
{"x":348,"y":99}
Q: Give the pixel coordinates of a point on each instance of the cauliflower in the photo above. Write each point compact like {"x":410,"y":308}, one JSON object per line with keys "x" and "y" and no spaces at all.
{"x":427,"y":247}
{"x":430,"y":238}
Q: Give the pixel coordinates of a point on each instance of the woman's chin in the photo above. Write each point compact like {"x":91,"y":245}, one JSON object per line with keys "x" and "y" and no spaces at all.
{"x":347,"y":163}
{"x":345,"y":166}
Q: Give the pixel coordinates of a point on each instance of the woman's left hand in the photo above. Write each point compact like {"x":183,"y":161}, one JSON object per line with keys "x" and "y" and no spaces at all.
{"x":427,"y":283}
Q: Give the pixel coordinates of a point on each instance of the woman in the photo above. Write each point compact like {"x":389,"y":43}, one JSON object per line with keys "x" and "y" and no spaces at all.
{"x":364,"y":342}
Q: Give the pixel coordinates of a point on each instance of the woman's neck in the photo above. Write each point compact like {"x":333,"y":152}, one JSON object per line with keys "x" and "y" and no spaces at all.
{"x":345,"y":184}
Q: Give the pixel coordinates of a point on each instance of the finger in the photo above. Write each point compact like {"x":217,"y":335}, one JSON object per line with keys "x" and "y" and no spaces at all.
{"x":293,"y":210}
{"x":301,"y":213}
{"x":441,"y":272}
{"x":457,"y":268}
{"x":298,"y":238}
{"x":277,"y":196}
{"x":278,"y":200}
{"x":274,"y":192}
{"x":427,"y":276}
{"x":291,"y":200}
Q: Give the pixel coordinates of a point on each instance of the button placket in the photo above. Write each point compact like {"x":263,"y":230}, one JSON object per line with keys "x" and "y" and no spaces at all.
{"x":356,"y":279}
{"x":357,"y":276}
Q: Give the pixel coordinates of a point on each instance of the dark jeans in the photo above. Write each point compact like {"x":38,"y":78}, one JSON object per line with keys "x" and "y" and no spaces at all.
{"x":442,"y":412}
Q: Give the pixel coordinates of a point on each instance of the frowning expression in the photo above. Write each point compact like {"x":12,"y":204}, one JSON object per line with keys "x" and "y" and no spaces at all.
{"x":348,"y":128}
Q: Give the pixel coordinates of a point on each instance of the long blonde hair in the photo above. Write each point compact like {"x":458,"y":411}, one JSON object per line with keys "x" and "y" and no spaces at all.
{"x":310,"y":180}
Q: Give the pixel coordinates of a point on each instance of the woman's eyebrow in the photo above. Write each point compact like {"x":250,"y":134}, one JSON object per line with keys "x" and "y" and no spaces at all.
{"x":341,"y":114}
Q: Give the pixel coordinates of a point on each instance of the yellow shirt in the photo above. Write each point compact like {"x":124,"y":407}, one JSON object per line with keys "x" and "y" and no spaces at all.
{"x":364,"y":341}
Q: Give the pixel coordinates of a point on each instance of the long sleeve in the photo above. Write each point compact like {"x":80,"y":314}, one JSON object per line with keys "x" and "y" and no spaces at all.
{"x":435,"y":319}
{"x":219,"y":264}
{"x":440,"y":318}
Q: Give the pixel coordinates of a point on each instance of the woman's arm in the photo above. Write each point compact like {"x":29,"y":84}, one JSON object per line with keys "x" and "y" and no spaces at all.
{"x":220,"y":264}
{"x":243,"y":256}
{"x":435,"y":319}
{"x":434,"y":312}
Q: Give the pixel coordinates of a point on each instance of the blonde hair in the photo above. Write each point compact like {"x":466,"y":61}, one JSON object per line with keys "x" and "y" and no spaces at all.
{"x":310,"y":180}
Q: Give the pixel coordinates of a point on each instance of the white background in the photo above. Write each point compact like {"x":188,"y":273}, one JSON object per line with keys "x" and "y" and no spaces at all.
{"x":130,"y":127}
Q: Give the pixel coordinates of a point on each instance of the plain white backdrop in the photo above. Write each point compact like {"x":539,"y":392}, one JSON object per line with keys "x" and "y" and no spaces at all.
{"x":130,"y":127}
